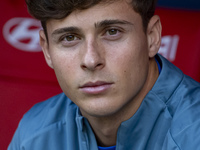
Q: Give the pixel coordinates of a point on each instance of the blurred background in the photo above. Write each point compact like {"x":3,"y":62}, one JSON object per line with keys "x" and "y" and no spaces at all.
{"x":25,"y":79}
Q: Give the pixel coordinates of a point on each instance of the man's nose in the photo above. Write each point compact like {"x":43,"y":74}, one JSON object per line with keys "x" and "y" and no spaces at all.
{"x":93,"y":56}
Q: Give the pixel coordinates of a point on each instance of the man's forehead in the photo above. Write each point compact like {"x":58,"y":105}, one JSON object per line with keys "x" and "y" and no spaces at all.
{"x":96,"y":3}
{"x":118,"y":12}
{"x":99,"y":6}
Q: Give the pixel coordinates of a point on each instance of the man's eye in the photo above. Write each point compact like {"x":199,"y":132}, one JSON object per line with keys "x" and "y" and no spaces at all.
{"x":112,"y":31}
{"x":70,"y":38}
{"x":113,"y":34}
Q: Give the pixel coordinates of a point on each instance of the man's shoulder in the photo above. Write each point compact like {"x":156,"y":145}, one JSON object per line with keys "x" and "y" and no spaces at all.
{"x":185,"y":104}
{"x":185,"y":99}
{"x":173,"y":85}
{"x":48,"y":113}
{"x":187,"y":92}
{"x":181,"y":95}
{"x":49,"y":104}
{"x":53,"y":105}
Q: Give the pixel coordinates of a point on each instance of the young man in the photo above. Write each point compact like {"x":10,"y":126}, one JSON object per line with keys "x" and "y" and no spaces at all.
{"x":118,"y":92}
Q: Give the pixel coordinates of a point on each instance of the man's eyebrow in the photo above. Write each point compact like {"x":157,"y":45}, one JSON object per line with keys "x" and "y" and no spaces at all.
{"x":64,"y":30}
{"x":100,"y":24}
{"x":111,"y":22}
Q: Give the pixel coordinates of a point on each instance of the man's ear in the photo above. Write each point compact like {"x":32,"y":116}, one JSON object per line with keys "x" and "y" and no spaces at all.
{"x":45,"y":48}
{"x":154,"y":30}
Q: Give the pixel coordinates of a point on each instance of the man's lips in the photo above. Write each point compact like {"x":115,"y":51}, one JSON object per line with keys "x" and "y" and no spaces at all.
{"x":95,"y":87}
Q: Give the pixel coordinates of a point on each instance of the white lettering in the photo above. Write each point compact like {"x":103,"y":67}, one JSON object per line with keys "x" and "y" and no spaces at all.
{"x":169,"y":46}
{"x":22,"y":32}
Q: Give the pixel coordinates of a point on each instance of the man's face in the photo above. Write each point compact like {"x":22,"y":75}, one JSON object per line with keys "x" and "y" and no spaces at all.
{"x":100,"y":57}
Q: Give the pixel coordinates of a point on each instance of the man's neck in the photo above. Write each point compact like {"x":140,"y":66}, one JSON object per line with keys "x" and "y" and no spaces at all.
{"x":105,"y":128}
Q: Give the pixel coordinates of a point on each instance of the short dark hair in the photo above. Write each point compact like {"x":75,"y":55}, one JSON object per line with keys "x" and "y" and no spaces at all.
{"x":44,"y":10}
